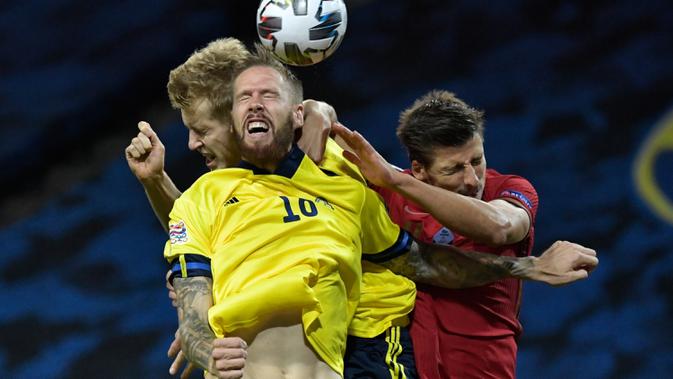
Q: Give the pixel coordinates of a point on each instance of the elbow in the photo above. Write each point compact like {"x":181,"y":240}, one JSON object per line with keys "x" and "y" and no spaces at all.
{"x":498,"y":233}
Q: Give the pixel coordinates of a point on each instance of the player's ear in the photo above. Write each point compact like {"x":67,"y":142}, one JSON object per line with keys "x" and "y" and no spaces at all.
{"x":418,"y":170}
{"x":298,"y":116}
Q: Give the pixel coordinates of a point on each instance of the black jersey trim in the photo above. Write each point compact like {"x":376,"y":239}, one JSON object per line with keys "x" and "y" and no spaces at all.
{"x":400,"y":247}
{"x":287,"y":167}
{"x":196,"y":265}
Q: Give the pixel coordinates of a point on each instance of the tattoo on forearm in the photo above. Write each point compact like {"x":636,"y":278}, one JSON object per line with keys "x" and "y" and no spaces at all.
{"x":451,"y":267}
{"x":194,"y":299}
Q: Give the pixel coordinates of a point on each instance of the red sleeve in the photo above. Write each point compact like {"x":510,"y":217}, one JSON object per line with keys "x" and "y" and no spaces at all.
{"x":520,"y":191}
{"x":412,"y":218}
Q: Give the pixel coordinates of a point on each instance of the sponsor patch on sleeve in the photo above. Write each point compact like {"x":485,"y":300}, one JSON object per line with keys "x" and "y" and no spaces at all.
{"x":517,"y":195}
{"x":443,"y":237}
{"x":177,"y":232}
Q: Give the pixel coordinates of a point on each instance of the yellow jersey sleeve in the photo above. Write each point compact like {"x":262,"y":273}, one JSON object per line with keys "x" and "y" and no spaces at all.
{"x":189,"y":248}
{"x":334,"y":162}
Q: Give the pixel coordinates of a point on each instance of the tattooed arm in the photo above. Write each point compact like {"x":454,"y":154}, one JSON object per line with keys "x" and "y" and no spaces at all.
{"x":450,"y":267}
{"x":194,"y":298}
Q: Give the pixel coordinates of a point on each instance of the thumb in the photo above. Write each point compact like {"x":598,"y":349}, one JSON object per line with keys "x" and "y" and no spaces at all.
{"x":147,"y":130}
{"x":574,"y":276}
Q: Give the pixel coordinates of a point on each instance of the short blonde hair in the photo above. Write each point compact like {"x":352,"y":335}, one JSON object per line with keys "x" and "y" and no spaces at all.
{"x":208,"y":74}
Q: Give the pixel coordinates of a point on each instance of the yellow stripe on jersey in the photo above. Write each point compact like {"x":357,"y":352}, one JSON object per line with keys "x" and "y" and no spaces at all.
{"x":289,"y":245}
{"x":183,"y":266}
{"x":395,"y":368}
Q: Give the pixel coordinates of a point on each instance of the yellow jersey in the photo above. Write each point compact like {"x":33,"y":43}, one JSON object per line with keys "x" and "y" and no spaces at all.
{"x":287,"y":242}
{"x":386,"y":298}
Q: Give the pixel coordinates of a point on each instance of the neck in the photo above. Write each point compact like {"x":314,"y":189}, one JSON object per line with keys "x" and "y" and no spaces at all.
{"x":268,"y":161}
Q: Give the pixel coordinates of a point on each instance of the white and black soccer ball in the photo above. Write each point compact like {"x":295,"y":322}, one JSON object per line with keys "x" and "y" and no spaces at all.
{"x":301,"y":32}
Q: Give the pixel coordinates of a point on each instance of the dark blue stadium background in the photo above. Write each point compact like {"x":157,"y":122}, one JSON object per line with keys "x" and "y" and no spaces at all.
{"x":573,"y":91}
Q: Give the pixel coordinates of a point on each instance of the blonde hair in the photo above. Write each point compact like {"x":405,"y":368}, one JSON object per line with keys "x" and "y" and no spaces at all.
{"x":208,"y":74}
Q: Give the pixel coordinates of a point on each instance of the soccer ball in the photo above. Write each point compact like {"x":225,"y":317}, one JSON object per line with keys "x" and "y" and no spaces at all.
{"x":301,"y":32}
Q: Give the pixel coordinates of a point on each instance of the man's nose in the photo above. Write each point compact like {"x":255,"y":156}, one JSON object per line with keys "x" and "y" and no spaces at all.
{"x":470,"y":178}
{"x":256,"y":107}
{"x":256,"y":104}
{"x":194,"y":142}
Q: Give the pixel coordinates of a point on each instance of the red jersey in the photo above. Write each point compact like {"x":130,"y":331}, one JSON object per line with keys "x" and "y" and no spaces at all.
{"x":489,"y":311}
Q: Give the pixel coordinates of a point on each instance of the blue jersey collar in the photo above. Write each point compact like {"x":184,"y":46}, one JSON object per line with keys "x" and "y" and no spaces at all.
{"x":287,"y":166}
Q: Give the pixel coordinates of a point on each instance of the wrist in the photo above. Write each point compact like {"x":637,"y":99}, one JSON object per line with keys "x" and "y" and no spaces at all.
{"x":401,"y":182}
{"x":154,"y":179}
{"x":526,"y":268}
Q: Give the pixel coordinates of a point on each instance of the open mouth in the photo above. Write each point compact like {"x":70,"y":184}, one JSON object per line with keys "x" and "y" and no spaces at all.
{"x":257,"y":126}
{"x":210,"y":161}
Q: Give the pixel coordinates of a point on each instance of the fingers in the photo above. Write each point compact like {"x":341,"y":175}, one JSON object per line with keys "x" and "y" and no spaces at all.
{"x":235,"y":374}
{"x":342,"y":131}
{"x":354,"y":139}
{"x":230,"y":342}
{"x":576,"y":246}
{"x":586,"y":250}
{"x":228,"y":364}
{"x":139,"y":146}
{"x":174,"y":298}
{"x":574,"y":276}
{"x":145,"y":141}
{"x":586,"y":261}
{"x":229,"y":356}
{"x":171,"y":291}
{"x":177,"y":363}
{"x":352,"y":157}
{"x":146,"y":129}
{"x":131,"y":152}
{"x":175,"y":347}
{"x":187,"y":371}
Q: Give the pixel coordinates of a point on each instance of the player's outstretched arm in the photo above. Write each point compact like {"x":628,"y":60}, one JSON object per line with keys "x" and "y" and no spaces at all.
{"x":450,"y":267}
{"x":493,"y":223}
{"x":318,"y":119}
{"x":145,"y":157}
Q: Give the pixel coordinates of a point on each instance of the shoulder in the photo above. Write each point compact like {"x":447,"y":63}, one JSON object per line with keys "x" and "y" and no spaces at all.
{"x":496,"y":181}
{"x":508,"y":186}
{"x":211,"y":186}
{"x":333,"y":161}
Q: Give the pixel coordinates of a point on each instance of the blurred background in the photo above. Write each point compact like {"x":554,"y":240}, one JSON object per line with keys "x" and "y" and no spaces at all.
{"x":578,"y":98}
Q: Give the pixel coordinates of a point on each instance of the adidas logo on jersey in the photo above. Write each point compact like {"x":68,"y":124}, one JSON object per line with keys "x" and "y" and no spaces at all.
{"x":233,"y":200}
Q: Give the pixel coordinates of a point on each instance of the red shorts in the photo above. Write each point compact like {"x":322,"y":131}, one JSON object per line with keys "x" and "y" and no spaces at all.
{"x":441,"y":355}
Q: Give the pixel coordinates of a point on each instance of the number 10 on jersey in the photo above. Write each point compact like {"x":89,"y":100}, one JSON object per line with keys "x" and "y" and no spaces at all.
{"x":306,"y":207}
